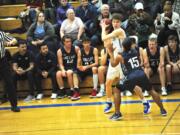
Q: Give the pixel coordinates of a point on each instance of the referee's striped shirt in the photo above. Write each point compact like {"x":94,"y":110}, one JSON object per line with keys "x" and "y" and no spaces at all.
{"x":3,"y":38}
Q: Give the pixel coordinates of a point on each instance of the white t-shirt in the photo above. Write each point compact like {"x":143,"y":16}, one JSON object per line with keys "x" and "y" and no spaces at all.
{"x":72,"y":27}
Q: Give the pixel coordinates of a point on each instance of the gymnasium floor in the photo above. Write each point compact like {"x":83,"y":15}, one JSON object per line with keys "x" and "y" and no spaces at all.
{"x":86,"y":117}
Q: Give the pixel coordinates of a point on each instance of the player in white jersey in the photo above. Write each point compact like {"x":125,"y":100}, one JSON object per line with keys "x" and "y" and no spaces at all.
{"x":113,"y":73}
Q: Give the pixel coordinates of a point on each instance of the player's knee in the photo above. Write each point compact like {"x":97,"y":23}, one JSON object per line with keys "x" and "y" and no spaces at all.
{"x":58,"y":74}
{"x":69,"y":73}
{"x":94,"y":70}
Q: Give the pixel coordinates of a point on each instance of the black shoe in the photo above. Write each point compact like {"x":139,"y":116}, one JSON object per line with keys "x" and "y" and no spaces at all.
{"x":15,"y":109}
{"x":69,"y":93}
{"x":169,"y":88}
{"x":61,"y":93}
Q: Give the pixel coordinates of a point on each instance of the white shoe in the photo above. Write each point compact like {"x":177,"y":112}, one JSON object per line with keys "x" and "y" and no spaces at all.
{"x":53,"y":96}
{"x":122,"y":94}
{"x":146,"y":94}
{"x":39,"y":96}
{"x":164,"y":93}
{"x":100,"y":94}
{"x":29,"y":98}
{"x":128,"y":93}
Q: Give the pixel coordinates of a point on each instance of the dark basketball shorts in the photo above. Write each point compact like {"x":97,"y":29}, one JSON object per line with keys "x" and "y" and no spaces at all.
{"x":136,"y":78}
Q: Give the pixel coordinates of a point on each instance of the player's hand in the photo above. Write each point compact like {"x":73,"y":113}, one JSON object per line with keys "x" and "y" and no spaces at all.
{"x":63,"y":73}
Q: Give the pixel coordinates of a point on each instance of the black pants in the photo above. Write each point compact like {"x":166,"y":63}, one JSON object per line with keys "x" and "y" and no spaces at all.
{"x":39,"y":77}
{"x":6,"y":76}
{"x":31,"y":82}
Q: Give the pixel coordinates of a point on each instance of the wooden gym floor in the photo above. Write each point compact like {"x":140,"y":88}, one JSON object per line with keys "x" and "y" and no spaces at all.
{"x":86,"y":117}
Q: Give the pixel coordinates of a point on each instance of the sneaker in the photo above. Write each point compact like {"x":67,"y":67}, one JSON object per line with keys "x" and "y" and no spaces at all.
{"x":100,"y":94}
{"x":53,"y":96}
{"x":15,"y":109}
{"x":61,"y":93}
{"x":145,"y":94}
{"x":169,"y":88}
{"x":128,"y":93}
{"x":108,"y":107}
{"x":29,"y":98}
{"x":163,"y":112}
{"x":122,"y":94}
{"x":147,"y":107}
{"x":69,"y":93}
{"x":116,"y":116}
{"x":76,"y":96}
{"x":163,"y":92}
{"x":39,"y":96}
{"x":93,"y":93}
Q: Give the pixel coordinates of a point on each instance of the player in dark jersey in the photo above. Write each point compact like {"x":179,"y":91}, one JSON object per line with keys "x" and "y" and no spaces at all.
{"x":88,"y":64}
{"x":135,"y":78}
{"x":172,"y":54}
{"x":154,"y":62}
{"x":67,"y":59}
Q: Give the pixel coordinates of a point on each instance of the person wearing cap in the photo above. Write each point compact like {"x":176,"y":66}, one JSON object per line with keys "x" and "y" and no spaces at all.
{"x":88,"y":64}
{"x":154,"y":62}
{"x":140,"y":23}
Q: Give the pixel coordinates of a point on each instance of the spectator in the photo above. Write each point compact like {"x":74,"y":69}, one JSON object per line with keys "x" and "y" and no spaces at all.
{"x":104,"y":15}
{"x":167,"y":23}
{"x":33,"y":8}
{"x":72,"y":26}
{"x":154,"y":62}
{"x":140,"y":22}
{"x":88,"y":64}
{"x":49,"y":11}
{"x":123,"y":7}
{"x":87,"y":12}
{"x":46,"y":67}
{"x":23,"y":64}
{"x":40,"y":31}
{"x":173,"y":58}
{"x":67,"y":60}
{"x":61,"y":10}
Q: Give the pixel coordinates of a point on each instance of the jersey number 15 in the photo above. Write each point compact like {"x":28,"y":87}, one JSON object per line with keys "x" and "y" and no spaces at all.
{"x":134,"y":62}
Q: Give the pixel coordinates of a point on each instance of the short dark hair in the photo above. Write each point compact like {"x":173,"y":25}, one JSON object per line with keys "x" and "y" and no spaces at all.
{"x":116,"y":16}
{"x":42,"y":44}
{"x":86,"y":38}
{"x":173,"y":37}
{"x":66,"y":37}
{"x":127,"y":42}
{"x":20,"y":42}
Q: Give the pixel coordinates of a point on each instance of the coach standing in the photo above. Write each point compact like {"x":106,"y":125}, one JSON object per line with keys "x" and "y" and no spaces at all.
{"x":5,"y":72}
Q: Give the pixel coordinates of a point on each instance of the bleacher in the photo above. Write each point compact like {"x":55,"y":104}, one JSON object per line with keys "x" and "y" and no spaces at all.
{"x":9,"y":21}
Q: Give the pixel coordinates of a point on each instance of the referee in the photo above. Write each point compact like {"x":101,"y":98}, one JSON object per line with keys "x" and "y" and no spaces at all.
{"x":5,"y":71}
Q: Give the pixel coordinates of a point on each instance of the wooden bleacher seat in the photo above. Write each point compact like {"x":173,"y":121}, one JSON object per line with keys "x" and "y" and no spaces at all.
{"x":11,"y":10}
{"x":10,"y":23}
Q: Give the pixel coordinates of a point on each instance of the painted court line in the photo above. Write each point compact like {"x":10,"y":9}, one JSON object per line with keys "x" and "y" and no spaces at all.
{"x":85,"y":104}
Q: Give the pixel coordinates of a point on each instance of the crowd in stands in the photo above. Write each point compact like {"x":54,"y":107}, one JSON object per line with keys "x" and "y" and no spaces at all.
{"x":62,"y":42}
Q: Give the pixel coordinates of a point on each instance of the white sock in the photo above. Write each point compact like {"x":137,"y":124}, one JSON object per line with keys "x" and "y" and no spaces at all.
{"x":61,"y":88}
{"x":102,"y":86}
{"x":95,"y":81}
{"x":163,"y":88}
